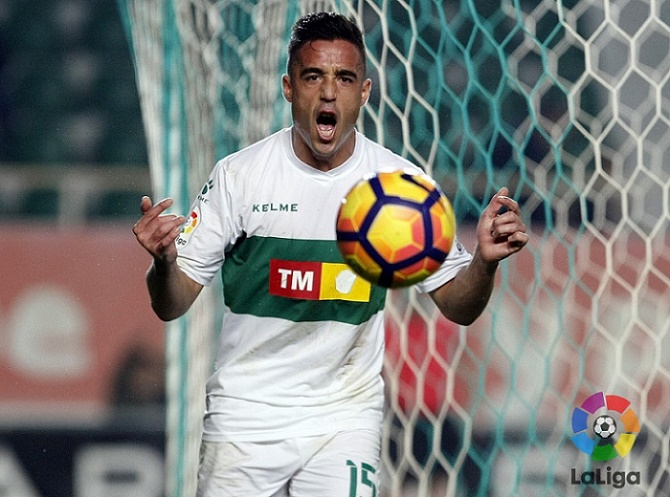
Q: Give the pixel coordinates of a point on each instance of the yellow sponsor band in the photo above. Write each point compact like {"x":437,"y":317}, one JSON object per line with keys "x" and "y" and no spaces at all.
{"x":339,"y":282}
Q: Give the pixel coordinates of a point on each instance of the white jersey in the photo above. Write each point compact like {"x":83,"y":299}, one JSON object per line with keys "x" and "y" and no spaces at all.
{"x":302,"y":342}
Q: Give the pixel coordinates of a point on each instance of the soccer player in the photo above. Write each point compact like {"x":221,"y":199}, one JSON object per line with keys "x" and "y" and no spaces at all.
{"x":294,"y":406}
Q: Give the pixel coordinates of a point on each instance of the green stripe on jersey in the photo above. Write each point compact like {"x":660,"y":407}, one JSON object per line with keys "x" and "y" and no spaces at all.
{"x":246,"y":277}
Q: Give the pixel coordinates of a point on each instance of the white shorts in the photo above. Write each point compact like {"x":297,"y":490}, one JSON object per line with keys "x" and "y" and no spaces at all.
{"x":340,"y":465}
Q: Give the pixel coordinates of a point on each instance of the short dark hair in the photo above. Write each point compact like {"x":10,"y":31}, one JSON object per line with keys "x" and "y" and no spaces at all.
{"x":328,"y":26}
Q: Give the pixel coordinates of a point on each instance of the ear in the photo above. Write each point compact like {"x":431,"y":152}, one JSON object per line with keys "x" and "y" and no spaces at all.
{"x":365,"y":91}
{"x":286,"y":88}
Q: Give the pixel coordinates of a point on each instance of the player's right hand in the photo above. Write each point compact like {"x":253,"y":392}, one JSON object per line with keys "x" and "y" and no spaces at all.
{"x":157,"y":231}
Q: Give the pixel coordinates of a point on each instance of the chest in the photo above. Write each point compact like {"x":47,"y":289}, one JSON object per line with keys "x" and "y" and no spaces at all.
{"x":294,"y":209}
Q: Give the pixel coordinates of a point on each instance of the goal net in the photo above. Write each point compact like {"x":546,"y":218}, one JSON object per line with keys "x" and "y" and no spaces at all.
{"x":565,"y":102}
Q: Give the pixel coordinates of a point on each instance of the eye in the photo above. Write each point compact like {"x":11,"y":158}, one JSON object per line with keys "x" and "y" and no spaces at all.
{"x":347,"y":77}
{"x":312,"y":77}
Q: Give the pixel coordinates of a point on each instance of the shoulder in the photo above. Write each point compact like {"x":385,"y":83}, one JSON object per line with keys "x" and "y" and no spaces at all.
{"x":240,"y":173}
{"x":252,"y":155}
{"x":381,"y":157}
{"x":242,"y":170}
{"x":255,"y":156}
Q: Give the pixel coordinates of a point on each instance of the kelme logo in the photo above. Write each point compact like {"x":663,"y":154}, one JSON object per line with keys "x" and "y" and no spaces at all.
{"x":604,"y":427}
{"x":202,"y":196}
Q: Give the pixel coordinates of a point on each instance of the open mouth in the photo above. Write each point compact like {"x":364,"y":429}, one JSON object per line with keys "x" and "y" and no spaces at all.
{"x":326,"y":123}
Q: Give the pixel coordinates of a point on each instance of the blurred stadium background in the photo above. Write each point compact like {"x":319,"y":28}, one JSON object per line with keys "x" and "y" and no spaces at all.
{"x":81,"y":357}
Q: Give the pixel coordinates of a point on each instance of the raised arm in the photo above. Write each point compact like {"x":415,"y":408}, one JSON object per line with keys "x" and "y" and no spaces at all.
{"x":171,"y":291}
{"x":500,"y":233}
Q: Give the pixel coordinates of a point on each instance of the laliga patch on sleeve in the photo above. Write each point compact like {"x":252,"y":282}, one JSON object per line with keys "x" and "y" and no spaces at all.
{"x":189,"y":227}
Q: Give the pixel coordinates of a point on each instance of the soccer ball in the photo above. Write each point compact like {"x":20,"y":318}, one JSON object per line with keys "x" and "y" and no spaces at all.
{"x":604,"y":426}
{"x":395,"y":228}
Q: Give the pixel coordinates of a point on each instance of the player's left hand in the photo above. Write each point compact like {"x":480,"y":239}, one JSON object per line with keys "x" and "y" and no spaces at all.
{"x":500,"y":231}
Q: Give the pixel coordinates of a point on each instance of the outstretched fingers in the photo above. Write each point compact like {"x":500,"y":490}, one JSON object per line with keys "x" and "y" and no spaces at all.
{"x":507,"y":219}
{"x":150,"y":211}
{"x":157,"y":231}
{"x":501,"y":230}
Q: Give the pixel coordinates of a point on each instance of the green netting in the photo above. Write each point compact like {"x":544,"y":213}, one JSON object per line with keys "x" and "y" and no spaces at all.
{"x":564,"y":102}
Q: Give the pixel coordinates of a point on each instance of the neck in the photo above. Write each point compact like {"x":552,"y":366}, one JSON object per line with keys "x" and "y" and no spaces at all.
{"x":322,"y":162}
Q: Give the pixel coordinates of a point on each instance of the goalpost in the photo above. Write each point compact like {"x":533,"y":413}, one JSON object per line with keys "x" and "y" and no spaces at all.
{"x":564,"y":101}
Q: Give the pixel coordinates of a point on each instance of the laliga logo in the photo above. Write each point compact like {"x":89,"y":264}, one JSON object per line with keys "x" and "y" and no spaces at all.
{"x":188,"y":227}
{"x":192,"y":223}
{"x":604,"y":427}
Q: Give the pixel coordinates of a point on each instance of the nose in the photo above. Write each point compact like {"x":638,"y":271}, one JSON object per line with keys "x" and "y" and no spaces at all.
{"x":328,"y":89}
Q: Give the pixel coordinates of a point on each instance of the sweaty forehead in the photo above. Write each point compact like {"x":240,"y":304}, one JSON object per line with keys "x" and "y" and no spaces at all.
{"x":337,"y":54}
